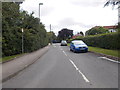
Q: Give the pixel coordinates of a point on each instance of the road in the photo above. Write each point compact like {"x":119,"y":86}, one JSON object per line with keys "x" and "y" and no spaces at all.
{"x":60,"y":68}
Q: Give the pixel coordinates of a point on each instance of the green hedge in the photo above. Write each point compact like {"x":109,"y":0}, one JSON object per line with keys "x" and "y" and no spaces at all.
{"x":13,"y":20}
{"x":107,"y":41}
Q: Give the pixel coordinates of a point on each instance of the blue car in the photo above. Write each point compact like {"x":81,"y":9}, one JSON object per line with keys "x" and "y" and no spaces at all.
{"x":78,"y":46}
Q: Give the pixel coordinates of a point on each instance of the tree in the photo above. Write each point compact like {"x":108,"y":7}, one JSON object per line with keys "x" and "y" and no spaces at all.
{"x":65,"y":34}
{"x":96,"y":30}
{"x":51,"y":36}
{"x":13,"y":20}
{"x":112,"y":2}
{"x":10,"y":30}
{"x":81,"y":33}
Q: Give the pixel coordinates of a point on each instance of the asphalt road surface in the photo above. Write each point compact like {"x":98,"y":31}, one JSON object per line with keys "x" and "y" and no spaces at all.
{"x":61,"y":68}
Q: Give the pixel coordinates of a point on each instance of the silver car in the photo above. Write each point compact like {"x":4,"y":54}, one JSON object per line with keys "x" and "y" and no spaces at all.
{"x":63,"y":43}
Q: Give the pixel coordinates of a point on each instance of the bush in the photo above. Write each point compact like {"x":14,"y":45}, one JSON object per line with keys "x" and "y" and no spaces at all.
{"x":107,"y":41}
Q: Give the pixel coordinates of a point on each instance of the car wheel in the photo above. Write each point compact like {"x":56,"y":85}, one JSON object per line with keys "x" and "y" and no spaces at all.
{"x":86,"y":51}
{"x":74,"y":51}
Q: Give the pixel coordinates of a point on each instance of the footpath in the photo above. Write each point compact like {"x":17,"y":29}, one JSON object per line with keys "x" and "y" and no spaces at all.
{"x":13,"y":67}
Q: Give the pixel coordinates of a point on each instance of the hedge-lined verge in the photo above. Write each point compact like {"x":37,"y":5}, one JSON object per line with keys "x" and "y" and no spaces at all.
{"x":107,"y":41}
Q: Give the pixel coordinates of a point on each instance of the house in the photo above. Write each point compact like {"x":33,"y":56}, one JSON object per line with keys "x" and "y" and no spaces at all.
{"x":110,"y":28}
{"x":75,"y":36}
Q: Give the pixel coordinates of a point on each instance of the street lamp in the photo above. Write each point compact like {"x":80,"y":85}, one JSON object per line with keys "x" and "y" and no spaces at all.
{"x":22,"y":42}
{"x":39,"y":9}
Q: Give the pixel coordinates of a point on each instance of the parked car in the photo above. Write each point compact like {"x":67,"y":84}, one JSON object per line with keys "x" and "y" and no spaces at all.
{"x":78,"y":46}
{"x":63,"y":43}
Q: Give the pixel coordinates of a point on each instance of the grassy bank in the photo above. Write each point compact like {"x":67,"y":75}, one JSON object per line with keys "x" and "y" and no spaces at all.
{"x":9,"y":58}
{"x":105,"y":51}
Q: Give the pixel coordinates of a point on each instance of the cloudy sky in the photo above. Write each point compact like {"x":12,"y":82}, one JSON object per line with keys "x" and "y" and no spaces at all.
{"x":77,"y":15}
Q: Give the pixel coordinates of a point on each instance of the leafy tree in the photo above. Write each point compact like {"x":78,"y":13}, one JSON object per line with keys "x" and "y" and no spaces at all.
{"x":96,"y":30}
{"x":65,"y":34}
{"x":112,"y":2}
{"x":51,"y":36}
{"x":13,"y":20}
{"x":10,"y":30}
{"x":81,"y":33}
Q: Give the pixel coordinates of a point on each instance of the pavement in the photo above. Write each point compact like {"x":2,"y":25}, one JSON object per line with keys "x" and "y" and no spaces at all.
{"x":13,"y":67}
{"x":61,"y":68}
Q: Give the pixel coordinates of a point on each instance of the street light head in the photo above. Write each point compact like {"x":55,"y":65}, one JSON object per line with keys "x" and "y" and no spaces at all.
{"x":22,"y":30}
{"x":40,"y":3}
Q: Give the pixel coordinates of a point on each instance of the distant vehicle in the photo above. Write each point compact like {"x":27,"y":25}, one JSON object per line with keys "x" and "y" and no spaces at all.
{"x":63,"y":43}
{"x":78,"y":46}
{"x":55,"y":41}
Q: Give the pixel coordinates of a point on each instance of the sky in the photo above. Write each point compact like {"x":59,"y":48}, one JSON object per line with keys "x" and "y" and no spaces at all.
{"x":77,"y":15}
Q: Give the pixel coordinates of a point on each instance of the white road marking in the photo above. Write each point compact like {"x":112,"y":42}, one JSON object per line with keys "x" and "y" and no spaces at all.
{"x":74,"y":64}
{"x":83,"y":76}
{"x":64,"y":53}
{"x":77,"y":69}
{"x":54,"y":46}
{"x":109,"y":59}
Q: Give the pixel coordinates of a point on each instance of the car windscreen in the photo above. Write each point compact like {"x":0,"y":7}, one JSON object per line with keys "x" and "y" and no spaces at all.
{"x":78,"y":43}
{"x":63,"y":42}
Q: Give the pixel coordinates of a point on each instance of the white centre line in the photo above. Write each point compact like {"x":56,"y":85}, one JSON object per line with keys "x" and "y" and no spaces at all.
{"x":64,"y":53}
{"x":77,"y":69}
{"x":74,"y":64}
{"x":54,"y":46}
{"x":83,"y":76}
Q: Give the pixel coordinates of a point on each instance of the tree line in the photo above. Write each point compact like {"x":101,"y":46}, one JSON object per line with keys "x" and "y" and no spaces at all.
{"x":13,"y":20}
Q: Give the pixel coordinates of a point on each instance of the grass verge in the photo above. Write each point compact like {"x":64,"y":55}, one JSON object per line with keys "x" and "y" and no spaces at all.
{"x":104,"y":51}
{"x":4,"y":59}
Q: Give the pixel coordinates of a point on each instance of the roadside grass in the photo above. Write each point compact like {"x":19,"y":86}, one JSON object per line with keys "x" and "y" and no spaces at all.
{"x":68,"y":44}
{"x":9,"y":57}
{"x":104,"y":51}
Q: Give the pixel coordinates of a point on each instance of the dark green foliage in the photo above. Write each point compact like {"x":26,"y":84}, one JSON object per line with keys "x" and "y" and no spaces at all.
{"x":96,"y":30}
{"x":13,"y":20}
{"x":81,"y":33}
{"x":107,"y":41}
{"x":112,"y":2}
{"x":65,"y":34}
{"x":51,"y":36}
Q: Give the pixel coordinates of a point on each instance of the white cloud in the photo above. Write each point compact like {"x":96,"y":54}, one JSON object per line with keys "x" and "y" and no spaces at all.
{"x":73,"y":14}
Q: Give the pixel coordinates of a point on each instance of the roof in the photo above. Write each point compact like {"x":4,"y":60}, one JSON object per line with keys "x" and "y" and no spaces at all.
{"x":75,"y":36}
{"x":110,"y":27}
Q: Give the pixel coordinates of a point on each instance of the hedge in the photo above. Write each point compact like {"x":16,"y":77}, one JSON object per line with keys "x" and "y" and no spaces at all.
{"x":107,"y":41}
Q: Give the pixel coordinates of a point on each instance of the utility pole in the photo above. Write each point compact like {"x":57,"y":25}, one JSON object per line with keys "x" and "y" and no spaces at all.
{"x":50,"y":27}
{"x":51,"y":35}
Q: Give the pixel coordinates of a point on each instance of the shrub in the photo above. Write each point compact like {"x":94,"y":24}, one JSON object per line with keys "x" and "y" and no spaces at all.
{"x":107,"y":40}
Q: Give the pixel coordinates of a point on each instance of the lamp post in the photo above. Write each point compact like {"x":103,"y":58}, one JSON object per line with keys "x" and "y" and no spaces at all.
{"x":119,"y":13}
{"x":22,"y":42}
{"x":39,"y":9}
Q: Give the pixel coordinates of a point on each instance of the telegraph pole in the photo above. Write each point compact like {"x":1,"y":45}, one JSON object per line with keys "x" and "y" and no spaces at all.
{"x":51,"y":34}
{"x":50,"y":27}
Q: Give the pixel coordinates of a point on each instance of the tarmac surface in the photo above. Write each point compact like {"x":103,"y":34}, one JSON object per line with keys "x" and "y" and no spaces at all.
{"x":61,"y":68}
